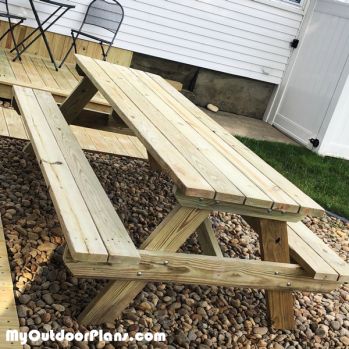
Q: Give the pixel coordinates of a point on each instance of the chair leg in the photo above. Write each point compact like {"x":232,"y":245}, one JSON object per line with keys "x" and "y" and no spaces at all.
{"x":73,"y":45}
{"x":14,"y":39}
{"x":66,"y":56}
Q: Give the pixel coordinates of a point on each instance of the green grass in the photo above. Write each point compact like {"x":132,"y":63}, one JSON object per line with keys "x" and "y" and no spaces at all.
{"x":325,"y":179}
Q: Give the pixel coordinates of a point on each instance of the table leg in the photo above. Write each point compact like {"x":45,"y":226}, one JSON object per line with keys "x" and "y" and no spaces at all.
{"x":78,"y":99}
{"x":274,"y":248}
{"x":207,"y":240}
{"x":153,"y":164}
{"x":169,"y":236}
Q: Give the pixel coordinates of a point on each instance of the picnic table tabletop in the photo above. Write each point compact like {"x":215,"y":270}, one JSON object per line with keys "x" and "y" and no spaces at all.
{"x":202,"y":158}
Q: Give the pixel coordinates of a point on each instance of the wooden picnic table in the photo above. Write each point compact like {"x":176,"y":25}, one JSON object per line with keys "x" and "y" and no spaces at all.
{"x":212,"y":171}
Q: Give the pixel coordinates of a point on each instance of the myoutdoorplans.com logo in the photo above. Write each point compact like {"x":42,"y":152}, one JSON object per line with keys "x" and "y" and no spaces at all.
{"x":60,"y":336}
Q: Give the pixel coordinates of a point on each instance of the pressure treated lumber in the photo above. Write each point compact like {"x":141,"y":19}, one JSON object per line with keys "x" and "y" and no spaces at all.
{"x":228,"y":168}
{"x":207,"y":239}
{"x":321,"y":249}
{"x":306,"y":256}
{"x":187,"y":140}
{"x":216,"y":205}
{"x":169,"y":236}
{"x":36,"y":72}
{"x":78,"y":99}
{"x":165,"y":154}
{"x":88,"y":138}
{"x":161,"y":266}
{"x":274,"y":247}
{"x":8,"y":312}
{"x":307,"y":205}
{"x":92,"y":227}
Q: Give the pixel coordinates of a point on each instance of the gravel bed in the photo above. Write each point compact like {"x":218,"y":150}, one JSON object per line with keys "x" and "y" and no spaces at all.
{"x":49,"y":297}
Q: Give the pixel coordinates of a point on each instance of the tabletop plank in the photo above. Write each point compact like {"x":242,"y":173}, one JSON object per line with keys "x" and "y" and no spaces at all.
{"x":168,"y":123}
{"x":183,"y":173}
{"x":281,"y":200}
{"x":259,"y":191}
{"x":140,"y":96}
{"x":305,"y":203}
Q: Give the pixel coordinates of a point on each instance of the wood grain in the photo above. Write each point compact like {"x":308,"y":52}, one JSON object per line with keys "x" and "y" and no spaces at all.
{"x":307,"y":206}
{"x":183,"y":173}
{"x":110,"y":228}
{"x":170,"y":235}
{"x":8,"y":312}
{"x":207,"y":239}
{"x":78,"y":99}
{"x":274,"y":248}
{"x":322,"y":250}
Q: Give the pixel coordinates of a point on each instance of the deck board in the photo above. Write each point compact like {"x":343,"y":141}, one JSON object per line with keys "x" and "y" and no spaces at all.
{"x":38,"y":72}
{"x":11,"y":125}
{"x":8,"y":312}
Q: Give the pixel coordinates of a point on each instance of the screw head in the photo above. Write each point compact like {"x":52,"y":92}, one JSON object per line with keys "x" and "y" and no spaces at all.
{"x":139,"y":273}
{"x":288,"y":284}
{"x":277,"y":273}
{"x":165,"y":262}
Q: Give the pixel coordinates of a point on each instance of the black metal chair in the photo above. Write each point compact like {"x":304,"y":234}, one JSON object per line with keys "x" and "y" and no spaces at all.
{"x":9,"y":16}
{"x":104,"y":14}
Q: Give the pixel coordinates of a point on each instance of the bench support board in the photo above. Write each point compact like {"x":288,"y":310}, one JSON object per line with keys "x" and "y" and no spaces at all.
{"x":169,"y":236}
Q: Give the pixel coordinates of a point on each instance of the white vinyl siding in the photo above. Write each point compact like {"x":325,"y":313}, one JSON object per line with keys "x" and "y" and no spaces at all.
{"x":242,"y":37}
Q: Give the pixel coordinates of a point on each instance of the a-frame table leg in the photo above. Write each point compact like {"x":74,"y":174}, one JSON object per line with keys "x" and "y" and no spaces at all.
{"x":78,"y":99}
{"x":274,"y":248}
{"x":169,"y":236}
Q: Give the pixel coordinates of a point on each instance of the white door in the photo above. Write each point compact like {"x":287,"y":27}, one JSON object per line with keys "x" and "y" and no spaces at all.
{"x":316,"y":73}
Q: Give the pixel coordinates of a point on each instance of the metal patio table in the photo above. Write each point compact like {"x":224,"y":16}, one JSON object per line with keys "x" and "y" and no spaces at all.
{"x":62,"y":8}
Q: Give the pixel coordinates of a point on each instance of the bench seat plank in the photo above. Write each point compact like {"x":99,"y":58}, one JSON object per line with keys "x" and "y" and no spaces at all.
{"x":323,"y":251}
{"x":85,"y":243}
{"x":306,"y":257}
{"x":109,"y":227}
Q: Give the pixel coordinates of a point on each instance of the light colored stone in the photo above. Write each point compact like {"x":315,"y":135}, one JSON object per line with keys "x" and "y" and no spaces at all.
{"x":212,"y":108}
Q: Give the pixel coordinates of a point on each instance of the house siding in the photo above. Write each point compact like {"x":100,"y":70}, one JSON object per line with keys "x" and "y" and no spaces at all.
{"x":242,"y":37}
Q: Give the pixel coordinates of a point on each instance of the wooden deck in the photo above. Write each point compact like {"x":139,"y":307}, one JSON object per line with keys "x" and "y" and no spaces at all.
{"x":11,"y":125}
{"x":38,"y":72}
{"x":8,"y":312}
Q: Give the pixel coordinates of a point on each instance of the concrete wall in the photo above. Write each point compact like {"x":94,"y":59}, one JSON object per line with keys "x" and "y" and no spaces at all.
{"x":230,"y":93}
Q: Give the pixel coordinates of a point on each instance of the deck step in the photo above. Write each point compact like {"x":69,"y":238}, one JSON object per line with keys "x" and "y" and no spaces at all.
{"x":11,"y":125}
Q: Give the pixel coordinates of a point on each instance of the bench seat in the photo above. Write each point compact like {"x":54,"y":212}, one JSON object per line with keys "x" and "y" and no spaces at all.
{"x":317,"y":258}
{"x":92,"y":228}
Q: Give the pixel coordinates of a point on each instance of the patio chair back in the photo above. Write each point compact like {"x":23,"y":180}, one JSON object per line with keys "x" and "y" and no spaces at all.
{"x":104,"y":14}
